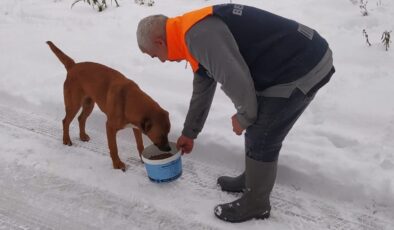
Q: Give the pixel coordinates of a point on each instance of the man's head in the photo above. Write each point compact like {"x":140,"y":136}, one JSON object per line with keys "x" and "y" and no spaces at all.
{"x":151,"y":36}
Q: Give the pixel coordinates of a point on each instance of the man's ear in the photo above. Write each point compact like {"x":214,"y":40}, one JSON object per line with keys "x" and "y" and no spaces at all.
{"x":160,"y":41}
{"x":146,"y":125}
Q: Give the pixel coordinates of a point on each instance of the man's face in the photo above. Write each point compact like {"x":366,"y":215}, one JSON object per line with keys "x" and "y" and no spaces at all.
{"x":158,"y":50}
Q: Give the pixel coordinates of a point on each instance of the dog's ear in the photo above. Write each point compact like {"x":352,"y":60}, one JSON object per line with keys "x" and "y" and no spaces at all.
{"x":146,"y":125}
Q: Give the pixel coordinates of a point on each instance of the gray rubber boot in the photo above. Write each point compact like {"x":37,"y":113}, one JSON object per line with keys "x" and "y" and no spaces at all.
{"x":254,"y":204}
{"x":232,"y":184}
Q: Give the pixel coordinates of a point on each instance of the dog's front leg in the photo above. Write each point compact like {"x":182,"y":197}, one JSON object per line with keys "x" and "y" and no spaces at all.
{"x":138,"y":139}
{"x":113,"y":149}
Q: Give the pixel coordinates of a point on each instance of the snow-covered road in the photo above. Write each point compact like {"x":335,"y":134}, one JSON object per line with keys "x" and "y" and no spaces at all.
{"x":34,"y":194}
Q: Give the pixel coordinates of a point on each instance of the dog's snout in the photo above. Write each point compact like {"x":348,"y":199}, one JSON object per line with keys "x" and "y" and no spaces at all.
{"x":165,"y":148}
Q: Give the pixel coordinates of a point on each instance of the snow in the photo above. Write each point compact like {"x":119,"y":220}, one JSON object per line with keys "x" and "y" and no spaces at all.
{"x":336,"y":168}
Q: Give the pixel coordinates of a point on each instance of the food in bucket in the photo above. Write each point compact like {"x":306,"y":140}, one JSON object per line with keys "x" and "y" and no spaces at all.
{"x":160,"y":156}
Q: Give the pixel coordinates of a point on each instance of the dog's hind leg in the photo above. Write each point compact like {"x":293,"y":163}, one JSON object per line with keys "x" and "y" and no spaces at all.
{"x":72,"y":102}
{"x":138,"y":139}
{"x":87,"y":108}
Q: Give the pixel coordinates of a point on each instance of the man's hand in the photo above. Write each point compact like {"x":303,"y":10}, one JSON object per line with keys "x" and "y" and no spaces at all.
{"x":185,"y":144}
{"x":236,"y":126}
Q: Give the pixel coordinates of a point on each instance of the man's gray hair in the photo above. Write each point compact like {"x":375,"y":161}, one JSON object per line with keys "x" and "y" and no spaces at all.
{"x":150,"y":28}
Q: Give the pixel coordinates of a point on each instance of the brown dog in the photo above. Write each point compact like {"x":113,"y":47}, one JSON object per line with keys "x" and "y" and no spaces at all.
{"x":119,"y":98}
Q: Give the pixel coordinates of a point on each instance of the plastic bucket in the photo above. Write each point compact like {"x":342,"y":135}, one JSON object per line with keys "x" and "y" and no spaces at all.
{"x":162,"y":170}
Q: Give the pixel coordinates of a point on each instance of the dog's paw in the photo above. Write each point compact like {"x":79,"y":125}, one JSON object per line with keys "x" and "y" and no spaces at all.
{"x":84,"y":137}
{"x":119,"y":165}
{"x":67,"y":141}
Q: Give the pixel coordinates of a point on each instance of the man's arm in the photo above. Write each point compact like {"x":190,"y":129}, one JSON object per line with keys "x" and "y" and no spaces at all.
{"x":200,"y":103}
{"x":214,"y":47}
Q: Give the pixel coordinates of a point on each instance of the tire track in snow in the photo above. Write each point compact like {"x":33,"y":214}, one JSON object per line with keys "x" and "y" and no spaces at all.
{"x":202,"y":178}
{"x":30,"y":199}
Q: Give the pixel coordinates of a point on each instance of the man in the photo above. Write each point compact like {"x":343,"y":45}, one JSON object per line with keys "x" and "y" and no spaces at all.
{"x":269,"y":66}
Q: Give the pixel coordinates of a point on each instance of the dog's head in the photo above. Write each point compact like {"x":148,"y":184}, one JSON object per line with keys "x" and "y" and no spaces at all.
{"x":156,"y":126}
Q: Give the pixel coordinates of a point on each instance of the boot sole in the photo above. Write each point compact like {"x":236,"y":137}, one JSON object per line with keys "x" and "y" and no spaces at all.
{"x":231,"y":190}
{"x":261,"y":217}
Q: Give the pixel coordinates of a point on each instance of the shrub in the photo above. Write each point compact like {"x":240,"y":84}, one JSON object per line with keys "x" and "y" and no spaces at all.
{"x":99,"y":5}
{"x":386,"y":39}
{"x":145,"y":2}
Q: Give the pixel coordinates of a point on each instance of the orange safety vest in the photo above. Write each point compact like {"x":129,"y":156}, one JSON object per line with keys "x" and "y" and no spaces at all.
{"x":176,"y":29}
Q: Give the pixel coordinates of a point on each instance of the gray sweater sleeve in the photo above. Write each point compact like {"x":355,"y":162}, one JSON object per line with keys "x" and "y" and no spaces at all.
{"x":200,"y":103}
{"x":214,"y":47}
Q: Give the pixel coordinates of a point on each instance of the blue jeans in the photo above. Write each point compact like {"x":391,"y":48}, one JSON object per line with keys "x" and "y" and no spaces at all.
{"x":276,"y":116}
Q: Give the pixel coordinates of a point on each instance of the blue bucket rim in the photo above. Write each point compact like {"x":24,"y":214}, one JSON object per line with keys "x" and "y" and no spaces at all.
{"x":161,"y":161}
{"x":153,"y":150}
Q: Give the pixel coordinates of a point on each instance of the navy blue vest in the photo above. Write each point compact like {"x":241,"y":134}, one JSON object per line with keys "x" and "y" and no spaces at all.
{"x":277,"y":50}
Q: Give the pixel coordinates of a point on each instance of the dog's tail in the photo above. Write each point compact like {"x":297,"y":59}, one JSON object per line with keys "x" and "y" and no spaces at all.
{"x":66,"y":60}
